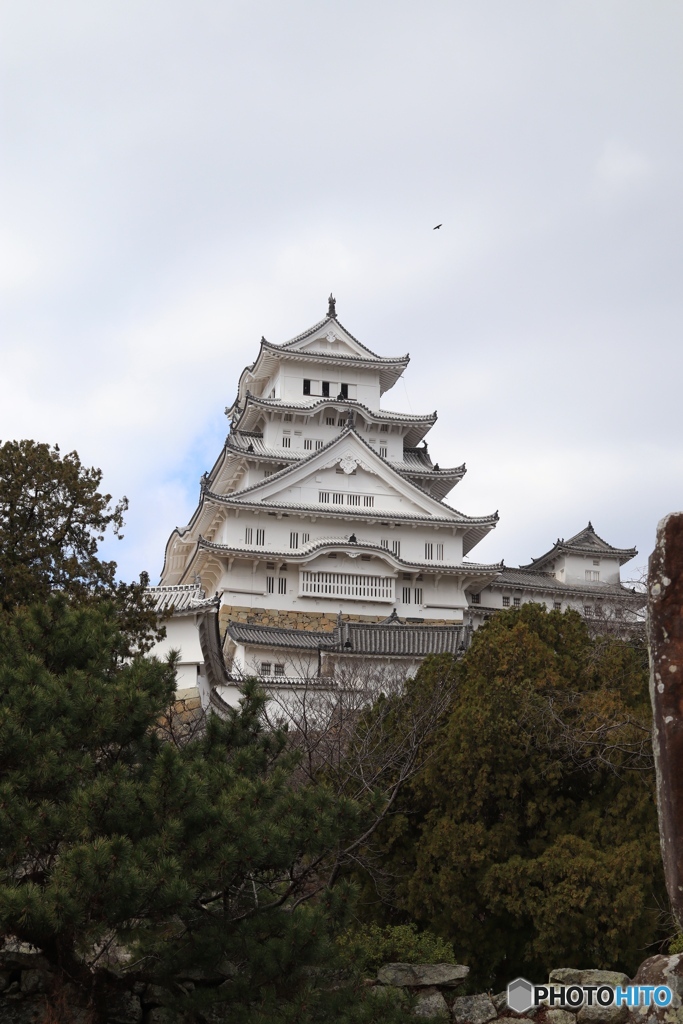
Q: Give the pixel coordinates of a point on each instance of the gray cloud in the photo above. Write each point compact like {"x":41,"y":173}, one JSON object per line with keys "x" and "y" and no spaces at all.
{"x":180,"y":179}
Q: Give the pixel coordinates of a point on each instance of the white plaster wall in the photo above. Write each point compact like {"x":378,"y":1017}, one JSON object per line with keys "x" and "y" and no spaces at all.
{"x":181,"y":635}
{"x":363,"y":384}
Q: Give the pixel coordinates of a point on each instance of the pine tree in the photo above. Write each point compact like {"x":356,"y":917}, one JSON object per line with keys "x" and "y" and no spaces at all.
{"x":187,"y":856}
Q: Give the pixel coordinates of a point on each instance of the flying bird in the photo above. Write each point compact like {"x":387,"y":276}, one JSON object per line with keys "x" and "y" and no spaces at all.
{"x":437,"y":227}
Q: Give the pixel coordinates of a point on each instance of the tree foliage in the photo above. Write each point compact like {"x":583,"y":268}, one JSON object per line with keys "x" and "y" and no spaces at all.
{"x":52,"y":520}
{"x":529,"y":839}
{"x":185,"y":855}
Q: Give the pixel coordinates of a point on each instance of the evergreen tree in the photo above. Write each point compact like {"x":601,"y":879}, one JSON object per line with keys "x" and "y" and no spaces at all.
{"x":529,"y":839}
{"x":52,"y":520}
{"x":187,"y":856}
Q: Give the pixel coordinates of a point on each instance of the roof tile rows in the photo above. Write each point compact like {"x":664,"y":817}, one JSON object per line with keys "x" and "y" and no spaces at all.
{"x":391,"y":637}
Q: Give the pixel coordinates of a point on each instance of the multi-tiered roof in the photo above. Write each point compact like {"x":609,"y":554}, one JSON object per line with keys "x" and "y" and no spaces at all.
{"x":256,"y":472}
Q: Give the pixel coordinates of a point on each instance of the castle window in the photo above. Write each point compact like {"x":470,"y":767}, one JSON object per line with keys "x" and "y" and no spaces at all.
{"x":307,"y":387}
{"x":323,"y":497}
{"x":282,"y":585}
{"x":287,"y":417}
{"x":439,"y":552}
{"x":326,"y":389}
{"x":340,"y":423}
{"x":592,"y":576}
{"x":506,"y":602}
{"x":353,"y":499}
{"x":476,"y":598}
{"x":429,"y":551}
{"x":270,"y":584}
{"x":517,"y":602}
{"x":260,"y":537}
{"x":384,"y":428}
{"x":278,"y":669}
{"x":384,"y":544}
{"x":406,"y":595}
{"x":588,"y":611}
{"x":337,"y":498}
{"x":294,"y":540}
{"x":383,"y":451}
{"x":305,"y":537}
{"x":331,"y":421}
{"x":347,"y":585}
{"x":308,"y":444}
{"x":318,"y":445}
{"x":596,"y":561}
{"x":286,"y":441}
{"x":248,"y":535}
{"x":265,"y":668}
{"x":343,"y":390}
{"x":557,"y":606}
{"x":369,"y":500}
{"x":396,"y":547}
{"x":418,"y":595}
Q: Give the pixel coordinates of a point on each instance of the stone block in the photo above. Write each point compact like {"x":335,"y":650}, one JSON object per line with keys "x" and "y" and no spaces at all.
{"x":123,"y":1008}
{"x":602,"y":1014}
{"x":558,"y":1016}
{"x":33,"y":981}
{"x":660,"y":970}
{"x":430,"y":1003}
{"x":422,"y":975}
{"x":26,"y":1011}
{"x":473,"y":1009}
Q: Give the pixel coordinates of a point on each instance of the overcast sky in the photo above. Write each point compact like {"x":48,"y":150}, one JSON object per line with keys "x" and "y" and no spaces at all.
{"x":180,"y":178}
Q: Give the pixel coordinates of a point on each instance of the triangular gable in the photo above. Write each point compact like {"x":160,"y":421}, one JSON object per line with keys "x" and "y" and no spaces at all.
{"x":329,"y":338}
{"x":358,"y":465}
{"x":588,"y":538}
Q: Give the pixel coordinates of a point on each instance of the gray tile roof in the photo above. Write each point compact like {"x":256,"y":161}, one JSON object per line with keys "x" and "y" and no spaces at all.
{"x":530,"y":579}
{"x":303,"y":553}
{"x":333,"y":320}
{"x":585,"y":542}
{"x":392,"y":637}
{"x":273,"y":636}
{"x":457,"y":519}
{"x":381,"y":415}
{"x":188,"y":597}
{"x":400,"y":640}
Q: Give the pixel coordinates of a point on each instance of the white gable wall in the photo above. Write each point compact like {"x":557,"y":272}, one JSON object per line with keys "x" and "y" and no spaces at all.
{"x":572,"y":568}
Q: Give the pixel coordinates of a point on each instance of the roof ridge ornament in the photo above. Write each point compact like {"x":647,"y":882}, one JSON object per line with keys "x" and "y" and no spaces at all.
{"x":332,"y":307}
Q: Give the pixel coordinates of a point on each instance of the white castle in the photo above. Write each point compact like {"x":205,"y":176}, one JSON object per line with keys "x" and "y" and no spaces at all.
{"x":322,"y":533}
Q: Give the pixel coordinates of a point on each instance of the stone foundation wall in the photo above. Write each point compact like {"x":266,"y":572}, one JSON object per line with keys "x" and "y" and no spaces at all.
{"x":315,"y":621}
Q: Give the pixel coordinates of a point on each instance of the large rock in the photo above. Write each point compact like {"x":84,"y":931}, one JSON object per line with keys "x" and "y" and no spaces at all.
{"x":33,"y":981}
{"x":430,"y":1003}
{"x":660,"y":970}
{"x":500,"y":1001}
{"x":602,"y":1014}
{"x":123,"y":1008}
{"x":573,"y":976}
{"x":589,"y":1014}
{"x":473,"y":1009}
{"x":17,"y":961}
{"x":422,"y":975}
{"x":24,"y":1011}
{"x":557,"y":1016}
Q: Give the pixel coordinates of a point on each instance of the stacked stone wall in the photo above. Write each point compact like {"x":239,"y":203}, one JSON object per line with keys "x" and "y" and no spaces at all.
{"x":313,"y":621}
